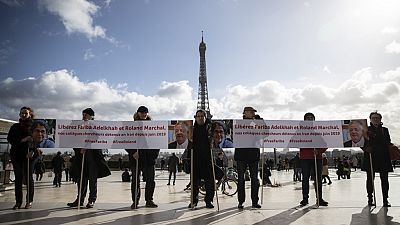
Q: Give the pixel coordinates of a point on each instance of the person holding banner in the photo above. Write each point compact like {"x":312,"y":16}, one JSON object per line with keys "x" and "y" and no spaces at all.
{"x":19,"y":136}
{"x":202,"y":164}
{"x":248,"y":157}
{"x":311,"y":162}
{"x":376,"y":158}
{"x":143,"y":160}
{"x":94,"y":167}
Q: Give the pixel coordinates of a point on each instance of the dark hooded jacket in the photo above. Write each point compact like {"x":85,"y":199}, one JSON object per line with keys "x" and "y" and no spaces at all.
{"x":147,"y":157}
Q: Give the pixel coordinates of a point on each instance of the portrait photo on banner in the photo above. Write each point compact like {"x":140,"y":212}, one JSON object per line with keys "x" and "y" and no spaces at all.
{"x":354,"y":132}
{"x":222,"y":133}
{"x":180,"y":134}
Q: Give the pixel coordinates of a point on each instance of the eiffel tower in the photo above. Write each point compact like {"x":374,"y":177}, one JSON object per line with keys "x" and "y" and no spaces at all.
{"x":202,"y":99}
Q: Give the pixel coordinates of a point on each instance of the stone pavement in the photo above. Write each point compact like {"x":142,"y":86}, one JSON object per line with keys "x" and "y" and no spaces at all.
{"x":347,"y":204}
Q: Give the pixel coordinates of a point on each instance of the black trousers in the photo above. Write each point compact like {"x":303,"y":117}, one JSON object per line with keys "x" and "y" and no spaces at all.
{"x":170,"y":174}
{"x":205,"y":173}
{"x":384,"y":184}
{"x":21,"y":173}
{"x":150,"y":183}
{"x":255,"y":183}
{"x":308,"y":168}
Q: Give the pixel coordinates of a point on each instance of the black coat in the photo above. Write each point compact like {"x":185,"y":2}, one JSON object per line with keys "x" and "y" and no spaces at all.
{"x":95,"y":164}
{"x":379,"y":140}
{"x":202,"y":149}
{"x":17,"y":132}
{"x":173,"y":163}
{"x":147,"y":157}
{"x":57,"y":163}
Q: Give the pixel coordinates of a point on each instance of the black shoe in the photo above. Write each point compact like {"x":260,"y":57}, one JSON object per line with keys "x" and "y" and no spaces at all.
{"x":190,"y":205}
{"x":28,"y":205}
{"x":240,"y":206}
{"x":256,"y":206}
{"x":323,"y":202}
{"x":330,"y":183}
{"x":151,"y":204}
{"x":74,"y":204}
{"x":209,"y":205}
{"x":304,"y":202}
{"x":370,"y":202}
{"x":386,"y":204}
{"x":133,"y":206}
{"x":17,"y":206}
{"x":90,"y":205}
{"x":168,"y":183}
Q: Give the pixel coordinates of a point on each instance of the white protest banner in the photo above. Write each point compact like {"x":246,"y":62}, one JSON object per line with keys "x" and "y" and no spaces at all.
{"x":111,"y":134}
{"x":292,"y":134}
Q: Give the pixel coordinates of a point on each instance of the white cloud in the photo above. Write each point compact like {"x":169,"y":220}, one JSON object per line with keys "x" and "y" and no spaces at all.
{"x":77,"y":16}
{"x":60,"y":94}
{"x":326,"y":70}
{"x":88,"y":54}
{"x":389,"y":30}
{"x":393,"y":47}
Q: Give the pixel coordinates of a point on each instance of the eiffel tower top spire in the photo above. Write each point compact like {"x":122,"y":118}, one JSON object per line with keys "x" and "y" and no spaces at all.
{"x":202,"y":99}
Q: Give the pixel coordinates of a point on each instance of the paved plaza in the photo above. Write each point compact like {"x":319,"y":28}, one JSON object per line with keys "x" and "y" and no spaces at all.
{"x":347,"y":204}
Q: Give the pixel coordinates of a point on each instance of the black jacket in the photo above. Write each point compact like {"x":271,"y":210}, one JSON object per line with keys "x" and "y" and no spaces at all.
{"x":379,"y":140}
{"x":147,"y":157}
{"x":17,"y":132}
{"x":95,"y":164}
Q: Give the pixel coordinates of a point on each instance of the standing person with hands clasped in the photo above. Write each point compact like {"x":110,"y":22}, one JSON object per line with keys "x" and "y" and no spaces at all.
{"x":248,"y":157}
{"x":309,"y":157}
{"x":146,"y":159}
{"x":94,"y":167}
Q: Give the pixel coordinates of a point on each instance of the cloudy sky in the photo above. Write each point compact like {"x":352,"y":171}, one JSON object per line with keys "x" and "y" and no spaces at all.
{"x":339,"y":59}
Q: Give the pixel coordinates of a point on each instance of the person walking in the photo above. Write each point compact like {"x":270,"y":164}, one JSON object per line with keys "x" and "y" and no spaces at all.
{"x":58,"y":164}
{"x":173,"y":161}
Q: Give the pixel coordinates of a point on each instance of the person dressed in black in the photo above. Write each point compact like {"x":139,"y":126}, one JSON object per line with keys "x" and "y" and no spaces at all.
{"x":19,"y":136}
{"x":248,"y":157}
{"x":39,"y":169}
{"x":147,"y":160}
{"x":94,"y":167}
{"x":126,"y":177}
{"x":173,"y":161}
{"x":26,"y":139}
{"x":58,"y":164}
{"x":377,"y":148}
{"x":202,"y":164}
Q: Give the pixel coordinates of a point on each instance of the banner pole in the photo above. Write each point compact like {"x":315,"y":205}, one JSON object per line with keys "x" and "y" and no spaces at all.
{"x":213,"y":171}
{"x":27,"y":178}
{"x":81,"y":179}
{"x":262,"y":174}
{"x":136,"y":181}
{"x":372,"y":176}
{"x":316,"y":176}
{"x":191,"y":178}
